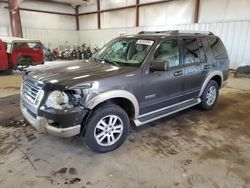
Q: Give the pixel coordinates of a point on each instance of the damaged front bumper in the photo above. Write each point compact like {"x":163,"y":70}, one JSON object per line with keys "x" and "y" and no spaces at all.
{"x":55,"y":124}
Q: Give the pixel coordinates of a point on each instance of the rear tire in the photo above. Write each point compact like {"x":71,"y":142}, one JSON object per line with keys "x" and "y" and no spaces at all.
{"x":106,"y":128}
{"x":210,"y":95}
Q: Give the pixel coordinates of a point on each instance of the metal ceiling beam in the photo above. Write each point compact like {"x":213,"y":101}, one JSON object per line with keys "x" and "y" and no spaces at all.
{"x":127,"y":7}
{"x":43,"y":11}
{"x":51,"y":1}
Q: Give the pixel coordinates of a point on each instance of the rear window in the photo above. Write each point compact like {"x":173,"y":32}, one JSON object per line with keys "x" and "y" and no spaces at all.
{"x":218,"y":48}
{"x":34,"y":45}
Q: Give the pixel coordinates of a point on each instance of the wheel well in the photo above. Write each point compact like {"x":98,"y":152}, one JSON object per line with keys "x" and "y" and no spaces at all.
{"x":124,"y":103}
{"x":217,"y":78}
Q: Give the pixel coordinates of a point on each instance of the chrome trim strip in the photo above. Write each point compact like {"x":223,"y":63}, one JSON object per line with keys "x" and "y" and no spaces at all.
{"x":139,"y":123}
{"x":65,"y":132}
{"x":114,"y":94}
{"x":161,"y":109}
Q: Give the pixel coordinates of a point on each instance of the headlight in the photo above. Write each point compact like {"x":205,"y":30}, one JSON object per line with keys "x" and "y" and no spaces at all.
{"x":57,"y":100}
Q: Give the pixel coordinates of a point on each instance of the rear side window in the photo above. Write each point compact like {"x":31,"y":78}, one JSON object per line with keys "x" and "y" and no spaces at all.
{"x":218,"y":49}
{"x":194,"y":51}
{"x":35,"y":45}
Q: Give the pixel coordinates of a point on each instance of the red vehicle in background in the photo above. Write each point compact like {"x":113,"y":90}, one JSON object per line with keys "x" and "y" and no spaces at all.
{"x":19,"y":53}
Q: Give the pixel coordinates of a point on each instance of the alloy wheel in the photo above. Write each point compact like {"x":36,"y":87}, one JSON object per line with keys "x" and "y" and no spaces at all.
{"x":108,"y":130}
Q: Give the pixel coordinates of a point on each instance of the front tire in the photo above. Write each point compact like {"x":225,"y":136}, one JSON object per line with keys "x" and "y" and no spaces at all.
{"x":210,"y":95}
{"x":106,"y":128}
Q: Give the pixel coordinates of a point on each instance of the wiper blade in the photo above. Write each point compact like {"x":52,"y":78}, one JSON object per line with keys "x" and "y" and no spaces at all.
{"x":106,"y":60}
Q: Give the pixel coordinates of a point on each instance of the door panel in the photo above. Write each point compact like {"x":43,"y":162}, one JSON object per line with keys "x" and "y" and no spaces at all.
{"x":163,"y":88}
{"x":195,"y":67}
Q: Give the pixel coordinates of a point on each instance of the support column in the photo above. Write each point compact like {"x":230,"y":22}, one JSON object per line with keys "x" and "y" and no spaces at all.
{"x":15,"y":19}
{"x":137,"y":14}
{"x":77,"y":17}
{"x":197,"y":11}
{"x":98,"y":14}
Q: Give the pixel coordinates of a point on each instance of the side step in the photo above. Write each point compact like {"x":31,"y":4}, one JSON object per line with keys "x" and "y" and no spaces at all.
{"x":169,"y":110}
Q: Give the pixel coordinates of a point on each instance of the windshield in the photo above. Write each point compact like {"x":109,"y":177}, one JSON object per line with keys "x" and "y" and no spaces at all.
{"x":125,"y":51}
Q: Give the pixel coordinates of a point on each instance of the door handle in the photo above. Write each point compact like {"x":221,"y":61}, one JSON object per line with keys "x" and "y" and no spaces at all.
{"x":206,"y":67}
{"x":178,"y":73}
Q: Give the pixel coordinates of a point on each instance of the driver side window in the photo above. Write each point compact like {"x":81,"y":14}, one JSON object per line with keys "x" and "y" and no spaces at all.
{"x":168,"y":51}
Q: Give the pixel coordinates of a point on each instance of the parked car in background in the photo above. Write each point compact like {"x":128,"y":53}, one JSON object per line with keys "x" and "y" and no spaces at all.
{"x":134,"y":79}
{"x":19,"y":52}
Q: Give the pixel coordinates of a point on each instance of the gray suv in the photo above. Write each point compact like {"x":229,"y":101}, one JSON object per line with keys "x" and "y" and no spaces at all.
{"x":133,"y":80}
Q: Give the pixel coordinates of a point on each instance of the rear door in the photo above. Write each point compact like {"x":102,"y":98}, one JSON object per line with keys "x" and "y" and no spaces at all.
{"x":196,"y":66}
{"x":163,"y":88}
{"x":3,"y":56}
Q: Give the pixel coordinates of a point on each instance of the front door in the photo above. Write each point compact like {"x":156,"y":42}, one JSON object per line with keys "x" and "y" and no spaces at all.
{"x":3,"y":56}
{"x":163,"y":88}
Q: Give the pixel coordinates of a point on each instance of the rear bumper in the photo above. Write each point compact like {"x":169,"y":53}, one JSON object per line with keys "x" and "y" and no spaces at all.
{"x":41,"y":124}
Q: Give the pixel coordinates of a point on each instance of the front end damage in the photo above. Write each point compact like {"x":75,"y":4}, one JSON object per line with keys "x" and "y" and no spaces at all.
{"x":63,"y":120}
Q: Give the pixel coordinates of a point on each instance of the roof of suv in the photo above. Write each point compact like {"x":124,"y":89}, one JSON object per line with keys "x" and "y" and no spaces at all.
{"x":168,"y":33}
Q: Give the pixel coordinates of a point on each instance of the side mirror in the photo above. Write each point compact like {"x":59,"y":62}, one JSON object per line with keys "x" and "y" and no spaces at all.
{"x":159,"y":66}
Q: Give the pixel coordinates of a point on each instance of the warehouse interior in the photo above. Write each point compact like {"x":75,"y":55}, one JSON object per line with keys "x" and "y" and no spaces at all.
{"x":191,"y":148}
{"x":229,"y":19}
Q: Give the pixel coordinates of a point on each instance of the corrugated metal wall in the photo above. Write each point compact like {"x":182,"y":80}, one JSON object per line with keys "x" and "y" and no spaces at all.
{"x":234,"y":34}
{"x":230,"y":19}
{"x":52,"y":38}
{"x":5,"y":30}
{"x":51,"y":29}
{"x":49,"y":37}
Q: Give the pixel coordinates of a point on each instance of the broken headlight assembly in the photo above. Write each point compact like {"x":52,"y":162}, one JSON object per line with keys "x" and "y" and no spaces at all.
{"x":65,"y":99}
{"x":58,"y":100}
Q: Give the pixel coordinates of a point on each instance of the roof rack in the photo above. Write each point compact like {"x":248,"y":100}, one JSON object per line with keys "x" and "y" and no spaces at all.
{"x":174,"y":32}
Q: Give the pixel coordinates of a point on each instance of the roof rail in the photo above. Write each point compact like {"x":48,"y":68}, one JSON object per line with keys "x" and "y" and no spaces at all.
{"x":177,"y":32}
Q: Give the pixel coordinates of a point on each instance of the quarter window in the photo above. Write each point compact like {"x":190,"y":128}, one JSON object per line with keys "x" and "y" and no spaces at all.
{"x":217,"y":47}
{"x":194,"y":51}
{"x":168,"y":51}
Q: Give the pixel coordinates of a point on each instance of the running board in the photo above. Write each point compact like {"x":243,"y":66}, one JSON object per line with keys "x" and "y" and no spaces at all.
{"x":152,"y":116}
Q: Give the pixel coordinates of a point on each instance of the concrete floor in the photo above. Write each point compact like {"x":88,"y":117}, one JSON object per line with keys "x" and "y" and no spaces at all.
{"x":190,"y":149}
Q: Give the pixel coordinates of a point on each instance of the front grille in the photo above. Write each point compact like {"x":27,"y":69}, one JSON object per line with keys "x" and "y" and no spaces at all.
{"x":31,"y":92}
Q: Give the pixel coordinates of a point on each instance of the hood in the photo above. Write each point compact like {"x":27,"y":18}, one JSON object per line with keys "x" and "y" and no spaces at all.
{"x":72,"y":74}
